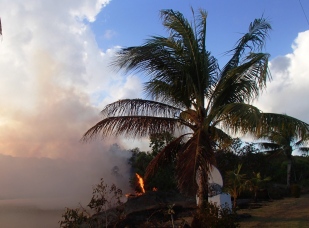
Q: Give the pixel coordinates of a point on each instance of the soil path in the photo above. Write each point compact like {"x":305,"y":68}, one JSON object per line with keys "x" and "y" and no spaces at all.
{"x":287,"y":213}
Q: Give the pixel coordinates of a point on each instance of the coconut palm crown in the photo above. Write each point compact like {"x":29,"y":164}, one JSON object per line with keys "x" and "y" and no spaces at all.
{"x":188,"y":92}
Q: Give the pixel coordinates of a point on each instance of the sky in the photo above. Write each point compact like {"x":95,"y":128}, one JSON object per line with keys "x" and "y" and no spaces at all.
{"x":56,"y":77}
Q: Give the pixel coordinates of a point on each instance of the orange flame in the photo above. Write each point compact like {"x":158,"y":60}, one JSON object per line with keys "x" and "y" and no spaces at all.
{"x":154,"y":189}
{"x":140,"y":182}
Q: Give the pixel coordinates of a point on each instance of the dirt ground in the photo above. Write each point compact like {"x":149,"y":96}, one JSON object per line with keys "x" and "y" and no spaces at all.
{"x":285,"y":213}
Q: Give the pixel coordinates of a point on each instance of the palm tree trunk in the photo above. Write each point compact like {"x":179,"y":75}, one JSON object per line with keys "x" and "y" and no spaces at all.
{"x":202,"y":192}
{"x":288,"y":178}
{"x":235,"y":199}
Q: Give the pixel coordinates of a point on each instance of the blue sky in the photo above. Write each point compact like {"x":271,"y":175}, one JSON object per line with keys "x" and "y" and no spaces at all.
{"x":131,"y":22}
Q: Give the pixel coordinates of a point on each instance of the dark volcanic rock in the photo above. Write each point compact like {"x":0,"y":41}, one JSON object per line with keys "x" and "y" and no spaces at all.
{"x":151,"y":200}
{"x":152,"y":207}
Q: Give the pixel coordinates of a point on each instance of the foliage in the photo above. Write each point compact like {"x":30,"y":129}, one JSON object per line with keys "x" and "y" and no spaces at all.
{"x":240,"y":152}
{"x":158,"y":141}
{"x":236,"y":183}
{"x":226,"y":161}
{"x":284,"y":142}
{"x":163,"y":179}
{"x":73,"y":218}
{"x":256,"y":182}
{"x":254,"y":161}
{"x":139,"y":161}
{"x":105,"y":207}
{"x":214,"y":216}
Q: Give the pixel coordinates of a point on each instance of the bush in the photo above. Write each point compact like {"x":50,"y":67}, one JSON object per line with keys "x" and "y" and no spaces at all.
{"x":105,"y":208}
{"x":73,"y":218}
{"x":277,"y":191}
{"x":214,"y":216}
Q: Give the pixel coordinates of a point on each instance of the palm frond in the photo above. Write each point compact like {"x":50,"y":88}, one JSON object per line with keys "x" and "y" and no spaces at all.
{"x":238,"y":118}
{"x":180,"y":29}
{"x":132,"y":126}
{"x":268,"y":145}
{"x":166,"y":93}
{"x":303,"y":149}
{"x":140,"y":107}
{"x":201,"y":29}
{"x":243,"y":83}
{"x":299,"y":142}
{"x":254,"y":40}
{"x":281,"y":123}
{"x":220,"y":137}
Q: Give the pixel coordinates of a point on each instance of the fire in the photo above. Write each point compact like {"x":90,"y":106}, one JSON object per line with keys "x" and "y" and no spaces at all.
{"x":141,"y":187}
{"x":140,"y":182}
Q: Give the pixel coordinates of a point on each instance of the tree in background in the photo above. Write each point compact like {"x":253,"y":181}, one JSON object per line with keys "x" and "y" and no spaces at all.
{"x":158,"y":141}
{"x":284,"y":142}
{"x":189,"y":93}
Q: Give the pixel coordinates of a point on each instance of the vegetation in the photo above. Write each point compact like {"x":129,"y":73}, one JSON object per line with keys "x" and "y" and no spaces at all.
{"x":164,"y":179}
{"x":190,"y":93}
{"x":236,"y":183}
{"x":256,"y":183}
{"x":285,"y":141}
{"x":105,"y":208}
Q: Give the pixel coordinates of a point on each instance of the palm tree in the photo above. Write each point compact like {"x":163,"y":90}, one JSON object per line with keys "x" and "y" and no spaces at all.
{"x":284,"y":142}
{"x":188,"y":92}
{"x":256,"y":183}
{"x":236,"y":183}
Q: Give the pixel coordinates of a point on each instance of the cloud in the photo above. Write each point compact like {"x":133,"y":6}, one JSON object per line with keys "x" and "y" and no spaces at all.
{"x":109,"y":34}
{"x":288,"y":91}
{"x":131,"y":88}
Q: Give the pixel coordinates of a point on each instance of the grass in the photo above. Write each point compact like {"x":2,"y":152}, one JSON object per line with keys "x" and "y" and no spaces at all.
{"x":285,"y":213}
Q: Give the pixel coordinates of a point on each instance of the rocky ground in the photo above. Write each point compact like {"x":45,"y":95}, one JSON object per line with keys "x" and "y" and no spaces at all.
{"x":171,"y":209}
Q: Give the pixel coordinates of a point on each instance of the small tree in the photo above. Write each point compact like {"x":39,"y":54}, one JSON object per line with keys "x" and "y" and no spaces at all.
{"x":236,"y":183}
{"x":256,"y":183}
